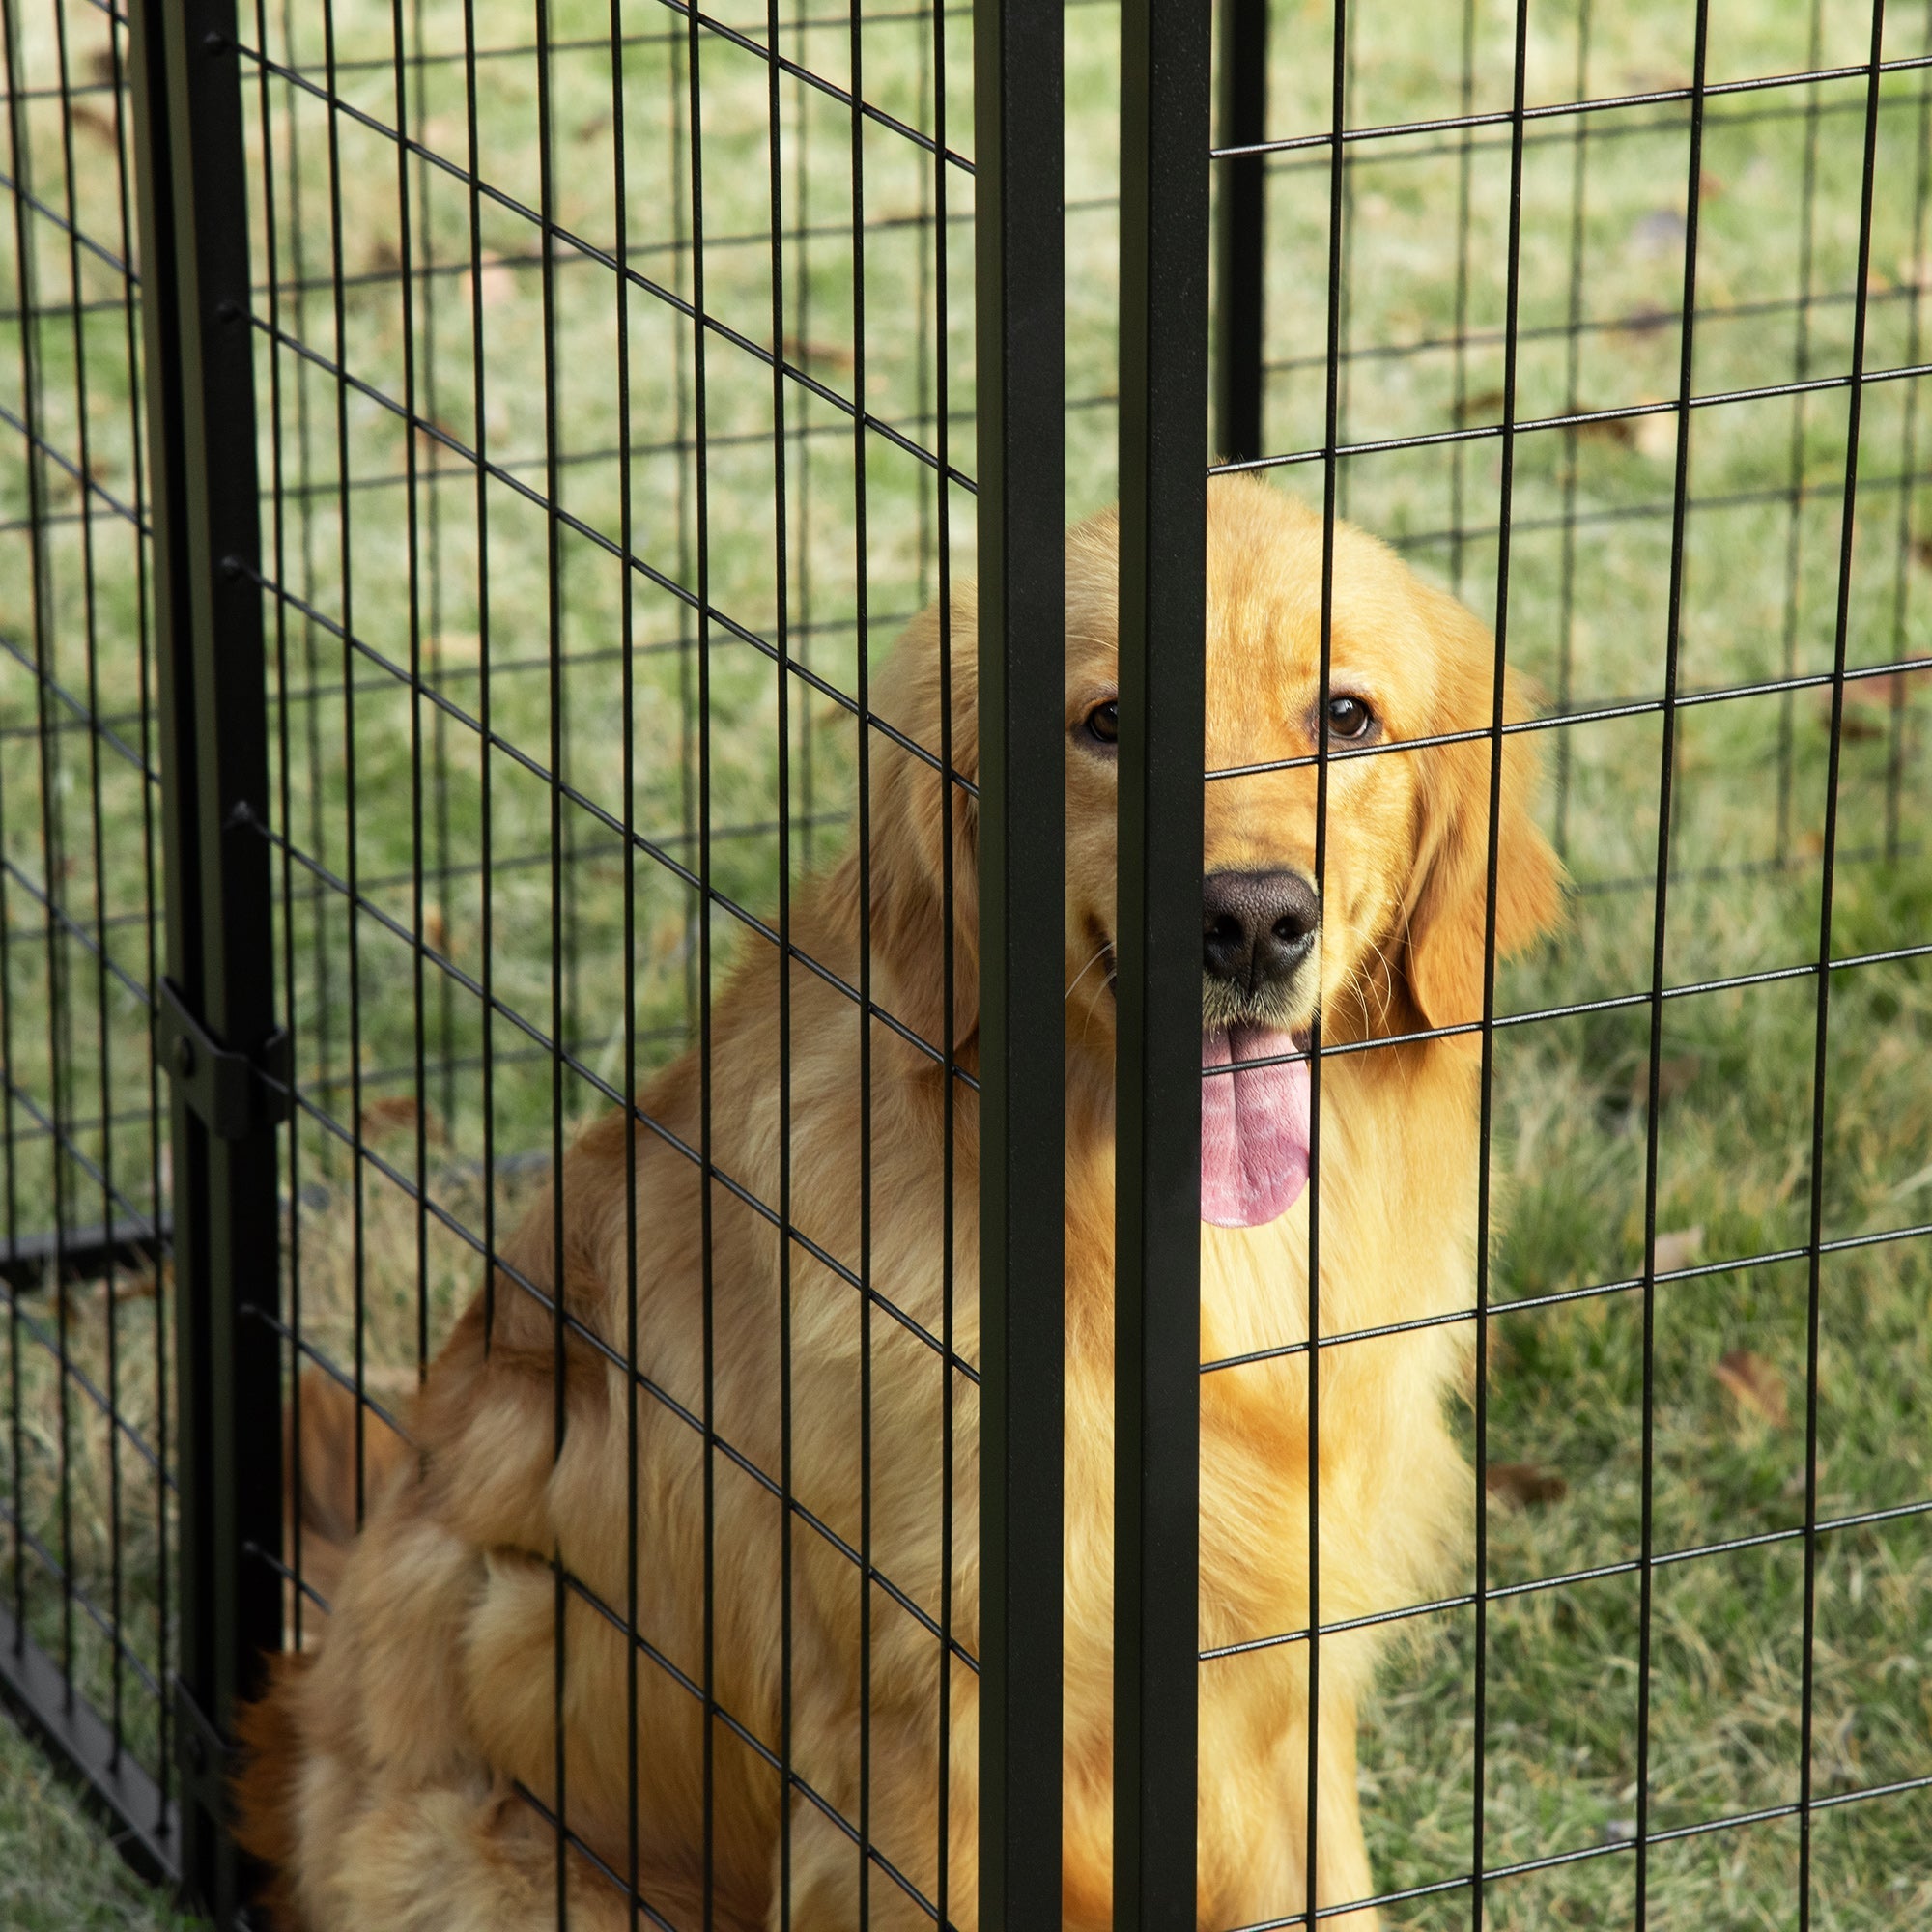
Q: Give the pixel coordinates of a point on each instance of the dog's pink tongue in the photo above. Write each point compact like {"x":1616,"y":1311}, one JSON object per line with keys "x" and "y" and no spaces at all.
{"x":1254,"y":1128}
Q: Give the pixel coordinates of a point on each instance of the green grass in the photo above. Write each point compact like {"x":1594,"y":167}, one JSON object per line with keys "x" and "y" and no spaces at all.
{"x":58,"y":1874}
{"x":1588,"y":616}
{"x":1567,"y":1395}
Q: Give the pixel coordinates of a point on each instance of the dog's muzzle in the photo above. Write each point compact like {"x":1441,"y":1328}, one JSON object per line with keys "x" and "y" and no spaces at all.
{"x":1258,"y":930}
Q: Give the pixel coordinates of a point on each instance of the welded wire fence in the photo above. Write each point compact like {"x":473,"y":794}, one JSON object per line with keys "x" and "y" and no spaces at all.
{"x":466,"y":466}
{"x":1611,"y":319}
{"x":88,"y":1623}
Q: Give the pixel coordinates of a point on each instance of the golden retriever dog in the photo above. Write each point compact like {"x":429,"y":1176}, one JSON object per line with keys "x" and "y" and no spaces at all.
{"x":408,"y":1773}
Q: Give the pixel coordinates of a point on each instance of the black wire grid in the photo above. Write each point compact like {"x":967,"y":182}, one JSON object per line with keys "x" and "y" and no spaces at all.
{"x":88,"y":1623}
{"x":589,"y":395}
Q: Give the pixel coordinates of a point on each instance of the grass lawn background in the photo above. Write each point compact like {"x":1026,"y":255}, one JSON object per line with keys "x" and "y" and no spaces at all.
{"x":400,"y":559}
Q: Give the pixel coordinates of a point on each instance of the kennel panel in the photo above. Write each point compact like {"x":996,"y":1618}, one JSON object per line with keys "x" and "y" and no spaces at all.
{"x":89,"y":1629}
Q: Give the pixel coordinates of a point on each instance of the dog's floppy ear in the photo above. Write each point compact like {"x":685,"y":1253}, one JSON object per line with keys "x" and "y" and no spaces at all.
{"x":919,"y":812}
{"x":1448,"y":906}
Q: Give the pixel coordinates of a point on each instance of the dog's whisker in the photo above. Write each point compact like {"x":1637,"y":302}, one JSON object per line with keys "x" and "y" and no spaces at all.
{"x":1106,"y":948}
{"x":1382,"y":986}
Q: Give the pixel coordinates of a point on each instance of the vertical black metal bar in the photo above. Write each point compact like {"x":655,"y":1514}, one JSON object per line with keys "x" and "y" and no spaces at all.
{"x":351,"y":895}
{"x":947,"y":1877}
{"x":1165,"y":123}
{"x":414,"y":569}
{"x":1020,"y":326}
{"x":60,"y":861}
{"x":1894,"y":763}
{"x":930,"y":487}
{"x":1680,"y":505}
{"x":91,"y":632}
{"x":1240,"y":234}
{"x":862,"y":626}
{"x":1566,"y":593}
{"x":698,"y":708}
{"x":49,"y":775}
{"x":485,"y":738}
{"x":279,"y":492}
{"x":561,"y":976}
{"x":1340,"y":356}
{"x":1340,"y":215}
{"x":1794,"y":491}
{"x":152,"y":938}
{"x":412,"y":547}
{"x":17,"y":155}
{"x":782,"y":638}
{"x":214,"y":737}
{"x":310,"y":499}
{"x":689,"y":639}
{"x":427,"y":267}
{"x":1464,"y":169}
{"x":798,"y":463}
{"x":1840,"y":644}
{"x":1485,"y":1196}
{"x":620,"y":186}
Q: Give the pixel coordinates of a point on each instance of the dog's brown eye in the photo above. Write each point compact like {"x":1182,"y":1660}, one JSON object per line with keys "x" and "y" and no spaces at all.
{"x":1349,"y":718}
{"x":1103,"y":723}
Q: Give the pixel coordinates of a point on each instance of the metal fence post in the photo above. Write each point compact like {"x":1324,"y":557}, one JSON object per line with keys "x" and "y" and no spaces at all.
{"x":1022,"y":466}
{"x":1240,"y":233}
{"x":1165,"y":103}
{"x":215,"y":1027}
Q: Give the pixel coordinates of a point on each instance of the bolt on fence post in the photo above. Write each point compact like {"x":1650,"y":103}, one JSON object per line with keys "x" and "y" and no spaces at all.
{"x":218,"y":999}
{"x":1020,"y":325}
{"x":1165,"y":125}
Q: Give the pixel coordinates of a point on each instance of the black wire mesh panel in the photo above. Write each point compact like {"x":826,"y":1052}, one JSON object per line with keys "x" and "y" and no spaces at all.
{"x":86,"y":1482}
{"x":608,"y":360}
{"x":1609,"y":319}
{"x":475,"y":545}
{"x":614,"y":378}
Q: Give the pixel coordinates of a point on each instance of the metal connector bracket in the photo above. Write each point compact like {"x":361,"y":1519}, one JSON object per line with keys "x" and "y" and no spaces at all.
{"x":235,"y":1094}
{"x":201,"y":1755}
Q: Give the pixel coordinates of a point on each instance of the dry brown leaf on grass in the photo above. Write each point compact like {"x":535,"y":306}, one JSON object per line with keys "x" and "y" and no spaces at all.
{"x":499,"y":280}
{"x":1656,"y":434}
{"x":1480,"y":407}
{"x":95,"y":121}
{"x":1868,"y":704}
{"x":1619,"y":430}
{"x":395,"y":1112}
{"x":1673,"y":1076}
{"x":434,"y":441}
{"x":1523,"y":1484}
{"x":129,"y":1285}
{"x":838,"y":354}
{"x":1679,"y":1249}
{"x":1756,"y":1386}
{"x":1644,"y":320}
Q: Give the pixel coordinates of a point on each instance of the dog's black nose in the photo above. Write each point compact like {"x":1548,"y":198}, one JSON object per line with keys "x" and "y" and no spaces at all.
{"x":1256,"y":926}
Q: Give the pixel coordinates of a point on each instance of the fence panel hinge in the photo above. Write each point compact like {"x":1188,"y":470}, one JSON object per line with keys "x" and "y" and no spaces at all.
{"x":235,"y":1094}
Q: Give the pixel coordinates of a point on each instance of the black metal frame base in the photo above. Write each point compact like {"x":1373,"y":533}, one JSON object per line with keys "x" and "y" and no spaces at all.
{"x":115,"y":1788}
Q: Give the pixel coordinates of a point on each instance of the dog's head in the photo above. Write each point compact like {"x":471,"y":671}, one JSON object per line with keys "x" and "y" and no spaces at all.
{"x":1394,"y":939}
